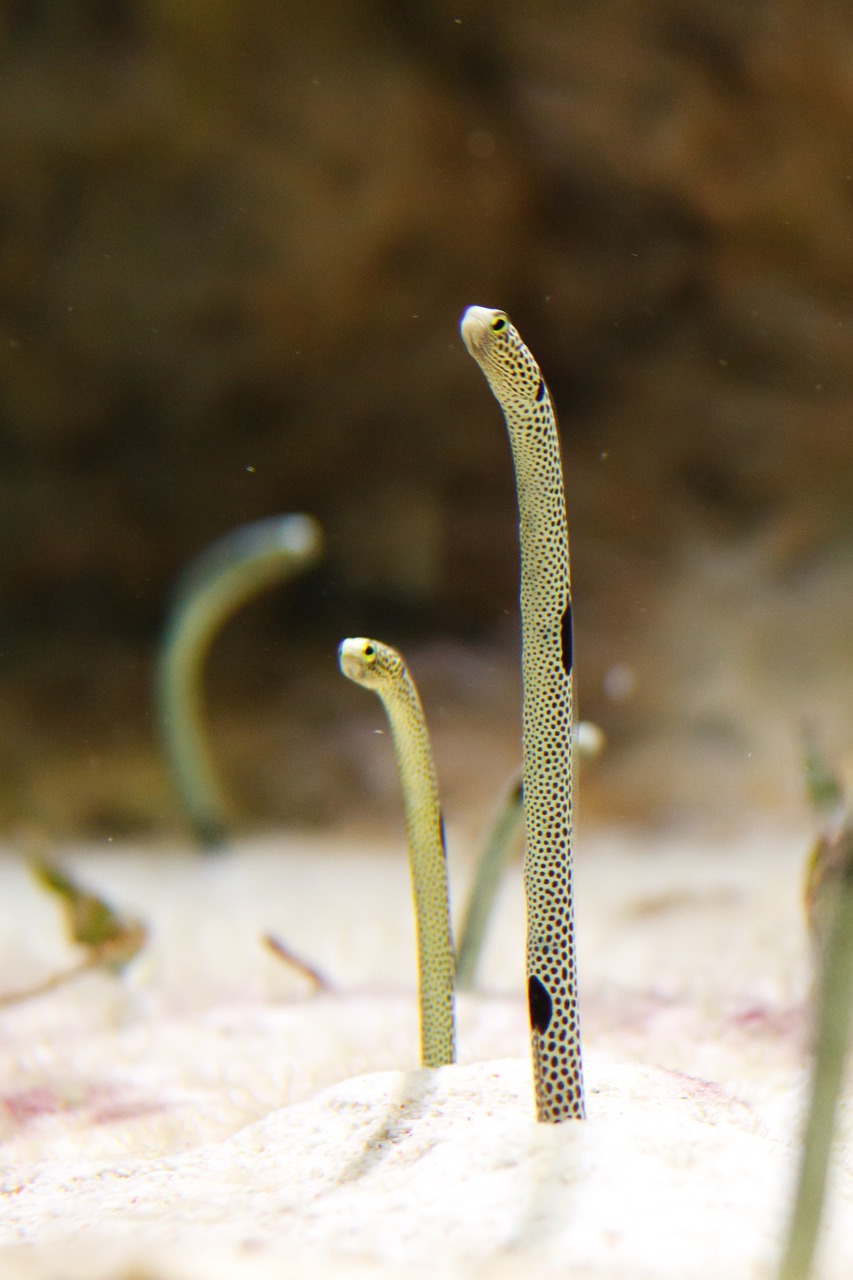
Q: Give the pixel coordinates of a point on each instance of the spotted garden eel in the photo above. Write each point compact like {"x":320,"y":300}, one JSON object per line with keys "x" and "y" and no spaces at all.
{"x":214,"y":586}
{"x":378,"y":667}
{"x":546,"y":621}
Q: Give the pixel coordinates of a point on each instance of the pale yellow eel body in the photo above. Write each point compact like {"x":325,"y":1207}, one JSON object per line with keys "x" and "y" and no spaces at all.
{"x":216,"y":584}
{"x":378,"y":667}
{"x":546,"y":620}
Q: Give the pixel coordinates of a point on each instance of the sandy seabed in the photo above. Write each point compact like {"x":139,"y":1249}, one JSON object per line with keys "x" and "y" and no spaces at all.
{"x":207,"y":1116}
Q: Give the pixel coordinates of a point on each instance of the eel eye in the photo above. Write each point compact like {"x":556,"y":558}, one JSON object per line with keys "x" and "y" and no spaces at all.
{"x":498,"y":324}
{"x":369,"y":652}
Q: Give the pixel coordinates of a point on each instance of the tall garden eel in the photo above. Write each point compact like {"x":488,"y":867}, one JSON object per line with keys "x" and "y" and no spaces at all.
{"x":378,"y":667}
{"x":214,"y":586}
{"x":546,"y":621}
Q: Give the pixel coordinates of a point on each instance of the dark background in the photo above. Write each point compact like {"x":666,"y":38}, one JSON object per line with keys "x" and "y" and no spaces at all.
{"x":237,"y":238}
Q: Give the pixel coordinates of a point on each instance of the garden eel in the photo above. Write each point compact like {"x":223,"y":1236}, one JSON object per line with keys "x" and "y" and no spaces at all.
{"x":546,"y":622}
{"x":826,"y":861}
{"x":834,"y":999}
{"x":378,"y":667}
{"x":222,"y":578}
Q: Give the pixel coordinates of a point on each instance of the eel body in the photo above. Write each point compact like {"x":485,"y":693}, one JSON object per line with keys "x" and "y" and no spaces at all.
{"x":213,"y":587}
{"x":378,"y":667}
{"x":506,"y":834}
{"x":833,"y":1018}
{"x":546,"y":619}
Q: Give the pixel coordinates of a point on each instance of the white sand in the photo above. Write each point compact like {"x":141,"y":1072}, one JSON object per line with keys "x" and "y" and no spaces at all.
{"x":207,"y":1117}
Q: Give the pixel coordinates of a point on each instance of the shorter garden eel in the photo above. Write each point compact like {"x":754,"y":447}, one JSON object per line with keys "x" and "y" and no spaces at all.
{"x":213,"y":587}
{"x":546,"y":626}
{"x":378,"y":667}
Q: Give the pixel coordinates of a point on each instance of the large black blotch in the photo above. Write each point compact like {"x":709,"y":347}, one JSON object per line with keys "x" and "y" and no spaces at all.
{"x":539,"y":1003}
{"x":566,"y":638}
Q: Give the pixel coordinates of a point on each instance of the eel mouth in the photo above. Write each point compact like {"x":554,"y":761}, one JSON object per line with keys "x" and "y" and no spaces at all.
{"x":351,"y":659}
{"x":475,"y":328}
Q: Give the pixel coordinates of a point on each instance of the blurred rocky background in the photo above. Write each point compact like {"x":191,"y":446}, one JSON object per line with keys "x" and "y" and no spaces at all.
{"x":237,"y":237}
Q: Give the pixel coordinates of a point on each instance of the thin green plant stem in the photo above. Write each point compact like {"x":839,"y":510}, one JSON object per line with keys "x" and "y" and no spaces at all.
{"x":505,"y":837}
{"x":213,"y":587}
{"x":832,"y":1038}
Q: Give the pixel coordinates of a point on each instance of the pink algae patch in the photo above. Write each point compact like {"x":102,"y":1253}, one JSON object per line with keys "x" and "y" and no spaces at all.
{"x":29,"y":1104}
{"x":97,"y":1106}
{"x":112,"y":1110}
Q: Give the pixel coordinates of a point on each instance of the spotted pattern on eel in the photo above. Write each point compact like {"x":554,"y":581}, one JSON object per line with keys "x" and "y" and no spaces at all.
{"x":378,"y":667}
{"x":546,"y":622}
